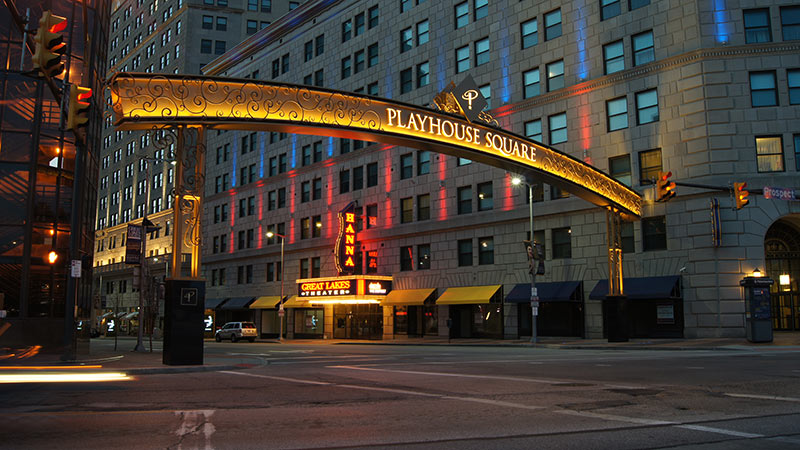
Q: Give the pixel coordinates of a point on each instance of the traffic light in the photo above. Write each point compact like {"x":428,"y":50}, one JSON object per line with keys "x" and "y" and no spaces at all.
{"x":50,"y":45}
{"x":665,"y":189}
{"x":77,"y":114}
{"x":740,"y":195}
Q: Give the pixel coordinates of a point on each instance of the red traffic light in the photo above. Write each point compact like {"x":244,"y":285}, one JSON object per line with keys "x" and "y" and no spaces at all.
{"x":740,"y":195}
{"x":665,"y":189}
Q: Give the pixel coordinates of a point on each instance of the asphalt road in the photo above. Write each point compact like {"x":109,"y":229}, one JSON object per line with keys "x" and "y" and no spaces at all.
{"x":425,"y":397}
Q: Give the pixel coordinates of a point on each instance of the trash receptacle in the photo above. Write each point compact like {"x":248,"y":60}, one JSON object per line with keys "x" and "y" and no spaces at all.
{"x":757,"y":308}
{"x":617,"y":320}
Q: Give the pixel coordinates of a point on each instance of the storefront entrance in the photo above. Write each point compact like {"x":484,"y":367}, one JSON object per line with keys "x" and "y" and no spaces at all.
{"x":308,"y":323}
{"x":782,"y":254}
{"x":357,"y":321}
{"x":416,"y":320}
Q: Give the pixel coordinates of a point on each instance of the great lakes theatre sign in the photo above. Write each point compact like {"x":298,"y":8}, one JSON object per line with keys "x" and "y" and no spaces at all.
{"x":142,"y":101}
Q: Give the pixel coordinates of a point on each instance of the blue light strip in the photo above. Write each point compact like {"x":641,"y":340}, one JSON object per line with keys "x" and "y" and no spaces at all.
{"x":581,"y":25}
{"x":330,"y":146}
{"x":721,"y":22}
{"x":235,"y":155}
{"x":294,"y":150}
{"x":505,"y":55}
{"x":262,"y":137}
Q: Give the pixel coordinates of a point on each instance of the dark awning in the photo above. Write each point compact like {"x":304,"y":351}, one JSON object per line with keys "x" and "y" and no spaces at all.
{"x":559,"y":291}
{"x":645,"y":288}
{"x":237,"y":303}
{"x":213,"y":303}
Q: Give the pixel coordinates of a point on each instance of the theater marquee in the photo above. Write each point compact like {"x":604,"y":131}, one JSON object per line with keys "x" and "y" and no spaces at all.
{"x":354,"y":287}
{"x":142,"y":101}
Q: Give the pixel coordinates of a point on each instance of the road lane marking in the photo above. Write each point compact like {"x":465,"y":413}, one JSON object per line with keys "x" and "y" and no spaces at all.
{"x":764,"y":397}
{"x":695,"y":368}
{"x":292,"y":380}
{"x":195,"y":421}
{"x":720,"y":431}
{"x":613,"y":417}
{"x":398,"y":391}
{"x":457,"y":375}
{"x":586,"y":414}
{"x":785,"y":439}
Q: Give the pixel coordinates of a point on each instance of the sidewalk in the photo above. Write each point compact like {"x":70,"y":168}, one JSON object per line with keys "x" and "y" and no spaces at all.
{"x":124,"y":359}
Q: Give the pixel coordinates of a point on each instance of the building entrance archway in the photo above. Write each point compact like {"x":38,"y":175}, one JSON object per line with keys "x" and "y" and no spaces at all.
{"x":782,"y":258}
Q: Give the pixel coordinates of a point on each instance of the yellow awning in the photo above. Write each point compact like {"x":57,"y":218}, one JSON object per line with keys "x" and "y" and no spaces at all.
{"x":402,"y":297}
{"x":296,"y":302}
{"x":266,"y":302}
{"x":470,"y":295}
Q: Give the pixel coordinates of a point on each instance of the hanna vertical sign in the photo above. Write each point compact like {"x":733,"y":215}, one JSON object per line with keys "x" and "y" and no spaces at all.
{"x":346,"y":242}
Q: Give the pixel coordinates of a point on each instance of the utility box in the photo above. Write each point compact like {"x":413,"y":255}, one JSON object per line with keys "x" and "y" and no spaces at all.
{"x":183,"y":322}
{"x":757,"y":308}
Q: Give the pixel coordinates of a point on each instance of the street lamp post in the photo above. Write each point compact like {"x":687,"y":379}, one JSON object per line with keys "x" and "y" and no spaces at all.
{"x":146,"y":225}
{"x":281,"y":312}
{"x":534,"y":296}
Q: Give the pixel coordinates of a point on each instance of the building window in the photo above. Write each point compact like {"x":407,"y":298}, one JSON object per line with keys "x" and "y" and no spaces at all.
{"x":423,"y":162}
{"x":219,"y":47}
{"x":793,"y":77}
{"x":647,"y":107}
{"x":372,"y":174}
{"x":305,"y":228}
{"x":481,"y":51}
{"x":373,"y":17}
{"x":360,"y":23}
{"x":344,"y":181}
{"x":406,"y":81}
{"x":405,"y":5}
{"x":304,"y":265}
{"x":552,"y":25}
{"x":649,"y":166}
{"x":530,"y":33}
{"x":252,"y":26}
{"x":423,"y":257}
{"x":222,"y":23}
{"x":360,"y":61}
{"x":406,"y":40}
{"x":562,"y":243}
{"x":346,"y":67}
{"x":533,"y":130}
{"x":208,"y":22}
{"x":485,"y":196}
{"x":763,"y":91}
{"x":654,"y":233}
{"x":638,"y":4}
{"x":790,"y":22}
{"x":465,"y":200}
{"x":643,"y":48}
{"x":347,"y":30}
{"x":555,"y":75}
{"x":463,"y":162}
{"x":617,"y":113}
{"x":756,"y":26}
{"x":486,"y":91}
{"x":558,"y":128}
{"x":614,"y":57}
{"x":626,"y":234}
{"x":769,"y":151}
{"x":462,"y":14}
{"x":372,"y":55}
{"x":305,"y":191}
{"x":485,"y":251}
{"x":406,"y":259}
{"x":465,"y":252}
{"x":423,"y":32}
{"x":609,"y":9}
{"x":797,"y":152}
{"x":619,"y":168}
{"x":406,"y":210}
{"x":462,"y":59}
{"x":205,"y":46}
{"x":423,"y":74}
{"x":406,"y":166}
{"x":530,"y":80}
{"x":424,"y":207}
{"x":358,"y":178}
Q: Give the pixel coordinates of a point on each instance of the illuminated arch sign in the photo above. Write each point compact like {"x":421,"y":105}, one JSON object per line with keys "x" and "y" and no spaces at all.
{"x":141,"y":101}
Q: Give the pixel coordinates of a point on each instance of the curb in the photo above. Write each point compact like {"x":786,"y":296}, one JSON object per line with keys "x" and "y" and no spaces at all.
{"x":188,"y":369}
